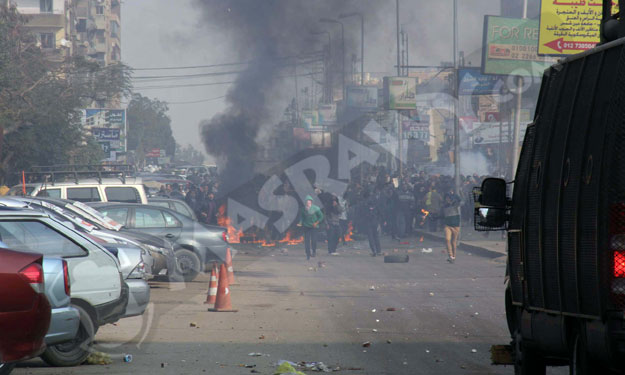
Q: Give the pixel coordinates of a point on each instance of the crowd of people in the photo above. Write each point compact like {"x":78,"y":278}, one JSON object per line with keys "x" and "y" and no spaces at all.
{"x":200,"y":197}
{"x":377,"y":202}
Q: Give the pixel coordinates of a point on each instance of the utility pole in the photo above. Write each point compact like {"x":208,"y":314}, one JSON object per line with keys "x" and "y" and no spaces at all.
{"x":328,"y":20}
{"x":400,"y":130}
{"x":517,"y":115}
{"x":455,"y":91}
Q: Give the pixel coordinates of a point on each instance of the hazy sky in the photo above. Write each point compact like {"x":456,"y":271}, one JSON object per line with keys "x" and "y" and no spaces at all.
{"x":171,"y":33}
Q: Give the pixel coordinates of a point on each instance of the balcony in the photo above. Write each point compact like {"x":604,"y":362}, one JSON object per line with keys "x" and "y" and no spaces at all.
{"x":46,"y":21}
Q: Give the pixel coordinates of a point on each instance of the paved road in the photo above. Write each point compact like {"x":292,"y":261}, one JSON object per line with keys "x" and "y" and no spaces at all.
{"x":445,"y":317}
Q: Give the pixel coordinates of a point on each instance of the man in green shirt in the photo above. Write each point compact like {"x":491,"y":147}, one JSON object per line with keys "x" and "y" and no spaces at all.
{"x":310,"y":218}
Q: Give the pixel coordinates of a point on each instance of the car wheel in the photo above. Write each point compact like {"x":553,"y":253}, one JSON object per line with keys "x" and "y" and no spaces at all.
{"x":76,"y":351}
{"x":526,"y":360}
{"x":6,"y":368}
{"x":188,"y":265}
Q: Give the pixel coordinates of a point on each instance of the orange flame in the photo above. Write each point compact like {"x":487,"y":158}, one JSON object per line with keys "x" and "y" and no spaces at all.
{"x":290,"y":240}
{"x":350,"y":232}
{"x":234,"y":235}
{"x":425,"y":215}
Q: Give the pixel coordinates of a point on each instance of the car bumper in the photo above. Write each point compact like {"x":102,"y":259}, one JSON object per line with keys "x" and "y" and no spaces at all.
{"x":22,"y":332}
{"x":112,"y":311}
{"x":64,"y":324}
{"x":138,"y":298}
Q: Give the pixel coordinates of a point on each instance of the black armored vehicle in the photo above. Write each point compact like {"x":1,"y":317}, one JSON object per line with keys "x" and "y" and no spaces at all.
{"x":565,"y":216}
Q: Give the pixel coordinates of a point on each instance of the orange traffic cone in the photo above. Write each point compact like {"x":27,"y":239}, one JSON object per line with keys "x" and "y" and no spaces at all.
{"x":211,"y":297}
{"x":230,"y":269}
{"x":223,"y":304}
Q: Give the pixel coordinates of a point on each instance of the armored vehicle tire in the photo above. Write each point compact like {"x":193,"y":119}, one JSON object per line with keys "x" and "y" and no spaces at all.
{"x":527,"y":361}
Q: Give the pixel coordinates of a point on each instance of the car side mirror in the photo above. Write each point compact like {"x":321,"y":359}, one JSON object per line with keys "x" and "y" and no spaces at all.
{"x":493,"y":193}
{"x":491,"y":205}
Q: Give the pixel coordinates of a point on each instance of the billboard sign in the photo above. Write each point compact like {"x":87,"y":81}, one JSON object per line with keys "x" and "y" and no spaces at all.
{"x":108,"y":127}
{"x":489,"y":132}
{"x":310,"y":120}
{"x":400,"y":92}
{"x":106,"y":134}
{"x":471,"y":81}
{"x":510,"y":47}
{"x":416,"y":130}
{"x":327,"y":114}
{"x":362,"y":97}
{"x":569,"y":27}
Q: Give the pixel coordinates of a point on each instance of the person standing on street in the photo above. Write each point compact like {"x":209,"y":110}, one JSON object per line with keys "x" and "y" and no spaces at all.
{"x":451,"y":218}
{"x":333,"y":214}
{"x":371,"y":216}
{"x":310,"y":218}
{"x":433,"y":206}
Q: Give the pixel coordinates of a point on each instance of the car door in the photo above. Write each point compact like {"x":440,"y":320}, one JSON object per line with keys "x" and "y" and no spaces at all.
{"x":156,"y":222}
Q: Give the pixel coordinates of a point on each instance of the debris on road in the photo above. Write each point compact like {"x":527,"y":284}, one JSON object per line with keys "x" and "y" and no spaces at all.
{"x":262,"y":337}
{"x":99,"y":358}
{"x":287,"y":368}
{"x":374,"y":330}
{"x":374,"y":310}
{"x":193,"y":324}
{"x":258,"y":355}
{"x":164,"y":364}
{"x":321,"y":264}
{"x":316,"y":366}
{"x":372,"y":287}
{"x":473,"y":350}
{"x":426,"y":251}
{"x":388,"y":341}
{"x":127,"y":358}
{"x":391,"y":309}
{"x":366,"y":344}
{"x":431,"y":294}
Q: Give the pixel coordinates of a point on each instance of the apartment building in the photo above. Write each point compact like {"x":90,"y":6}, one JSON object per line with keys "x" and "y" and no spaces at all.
{"x":90,"y":28}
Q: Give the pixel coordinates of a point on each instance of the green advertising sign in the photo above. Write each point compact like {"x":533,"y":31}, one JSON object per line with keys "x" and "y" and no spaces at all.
{"x":511,"y":47}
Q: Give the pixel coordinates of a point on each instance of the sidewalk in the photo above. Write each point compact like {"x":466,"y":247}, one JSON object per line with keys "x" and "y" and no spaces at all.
{"x":491,"y":245}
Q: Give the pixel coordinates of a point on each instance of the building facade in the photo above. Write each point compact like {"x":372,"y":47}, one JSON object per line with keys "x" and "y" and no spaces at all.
{"x":90,"y":28}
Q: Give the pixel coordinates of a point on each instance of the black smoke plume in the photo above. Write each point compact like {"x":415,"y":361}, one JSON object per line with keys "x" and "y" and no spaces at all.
{"x":269,"y":33}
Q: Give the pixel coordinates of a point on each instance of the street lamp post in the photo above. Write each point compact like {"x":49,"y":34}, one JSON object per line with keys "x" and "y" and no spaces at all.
{"x":328,"y":20}
{"x":362,"y":43}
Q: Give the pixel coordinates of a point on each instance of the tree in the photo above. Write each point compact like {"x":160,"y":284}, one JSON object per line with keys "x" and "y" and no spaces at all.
{"x":41,"y":98}
{"x":149,"y":126}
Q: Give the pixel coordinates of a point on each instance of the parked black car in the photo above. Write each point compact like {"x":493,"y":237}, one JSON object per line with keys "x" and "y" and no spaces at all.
{"x":196,"y":245}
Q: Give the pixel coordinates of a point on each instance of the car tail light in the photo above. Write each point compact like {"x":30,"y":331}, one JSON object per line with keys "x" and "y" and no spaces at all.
{"x":224,"y":235}
{"x":68,"y":288}
{"x":33,"y":273}
{"x":617,"y":248}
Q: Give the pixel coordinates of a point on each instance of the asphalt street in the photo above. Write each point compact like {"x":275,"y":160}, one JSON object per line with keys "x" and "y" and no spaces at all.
{"x":422,"y":317}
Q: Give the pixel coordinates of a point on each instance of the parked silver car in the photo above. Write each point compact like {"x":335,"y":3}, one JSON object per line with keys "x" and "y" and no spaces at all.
{"x":64,"y":319}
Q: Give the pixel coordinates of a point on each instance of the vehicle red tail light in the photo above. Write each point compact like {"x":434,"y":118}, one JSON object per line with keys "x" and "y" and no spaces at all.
{"x":619,"y":264}
{"x":224,"y":235}
{"x":33,"y":273}
{"x":68,"y":288}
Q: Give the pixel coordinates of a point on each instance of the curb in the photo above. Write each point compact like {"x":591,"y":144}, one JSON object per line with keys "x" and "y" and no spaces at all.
{"x":477,"y":250}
